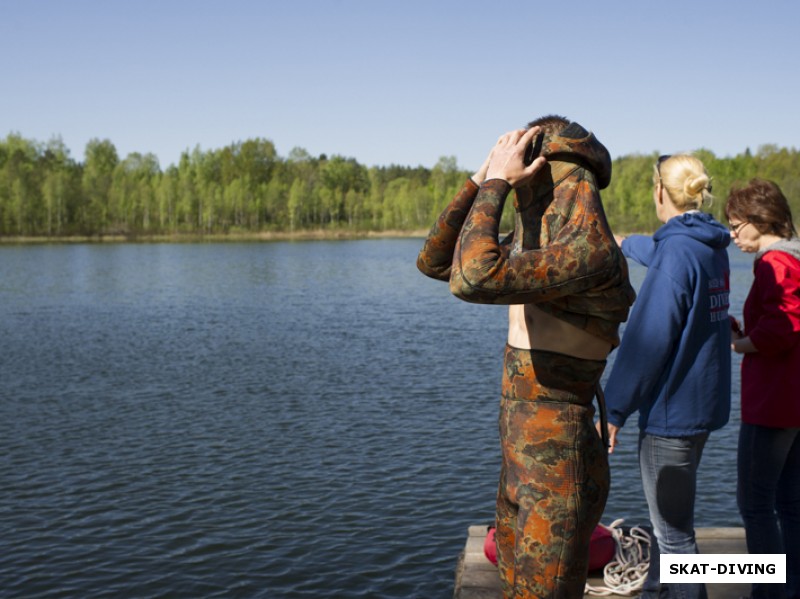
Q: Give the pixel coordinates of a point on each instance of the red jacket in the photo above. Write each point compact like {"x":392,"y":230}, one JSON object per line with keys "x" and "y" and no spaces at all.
{"x":771,"y":376}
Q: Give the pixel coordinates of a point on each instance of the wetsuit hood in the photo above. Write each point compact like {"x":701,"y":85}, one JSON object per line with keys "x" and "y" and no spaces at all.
{"x":576,"y":144}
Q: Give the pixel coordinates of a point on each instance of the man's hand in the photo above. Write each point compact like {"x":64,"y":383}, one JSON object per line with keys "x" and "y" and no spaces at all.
{"x":507,"y":158}
{"x":480,"y":175}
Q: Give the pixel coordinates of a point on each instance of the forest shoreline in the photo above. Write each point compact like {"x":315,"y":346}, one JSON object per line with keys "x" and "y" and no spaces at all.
{"x":246,"y":191}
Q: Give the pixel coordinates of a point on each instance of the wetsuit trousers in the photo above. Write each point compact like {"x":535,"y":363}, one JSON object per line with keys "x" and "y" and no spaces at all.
{"x":554,"y":479}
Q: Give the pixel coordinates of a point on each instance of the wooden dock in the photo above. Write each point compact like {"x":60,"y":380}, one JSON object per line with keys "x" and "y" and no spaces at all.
{"x":476,"y":576}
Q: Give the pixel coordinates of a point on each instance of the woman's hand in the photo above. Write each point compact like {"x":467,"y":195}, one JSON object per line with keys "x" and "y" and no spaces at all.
{"x":739,"y":343}
{"x":612,"y":434}
{"x":736,"y":328}
{"x":743,"y":345}
{"x":507,"y":157}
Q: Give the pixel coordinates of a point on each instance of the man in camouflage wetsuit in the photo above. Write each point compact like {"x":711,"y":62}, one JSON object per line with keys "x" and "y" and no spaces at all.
{"x":567,"y":287}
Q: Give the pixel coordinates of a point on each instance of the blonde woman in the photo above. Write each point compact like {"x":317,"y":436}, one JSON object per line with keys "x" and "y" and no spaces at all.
{"x":674,"y":364}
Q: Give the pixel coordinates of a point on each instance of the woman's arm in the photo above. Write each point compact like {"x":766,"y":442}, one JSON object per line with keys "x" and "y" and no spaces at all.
{"x":648,"y":344}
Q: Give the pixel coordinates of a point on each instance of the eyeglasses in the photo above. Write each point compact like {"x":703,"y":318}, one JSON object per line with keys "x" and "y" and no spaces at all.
{"x":738,"y":227}
{"x":662,"y":158}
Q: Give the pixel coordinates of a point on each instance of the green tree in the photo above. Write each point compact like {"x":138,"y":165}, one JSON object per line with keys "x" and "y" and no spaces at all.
{"x":98,"y":173}
{"x":60,"y":187}
{"x":339,"y":176}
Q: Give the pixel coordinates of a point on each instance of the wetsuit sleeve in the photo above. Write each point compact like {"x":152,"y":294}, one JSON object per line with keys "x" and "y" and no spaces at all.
{"x":639,"y":248}
{"x":777,"y":284}
{"x":436,"y":256}
{"x":484,"y":271}
{"x":648,"y":342}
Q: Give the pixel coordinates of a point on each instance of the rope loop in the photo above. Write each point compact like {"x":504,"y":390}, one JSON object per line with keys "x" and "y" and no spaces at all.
{"x":625,"y":574}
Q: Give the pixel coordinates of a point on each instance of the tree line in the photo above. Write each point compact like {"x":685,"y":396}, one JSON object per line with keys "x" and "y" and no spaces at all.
{"x":246,"y":187}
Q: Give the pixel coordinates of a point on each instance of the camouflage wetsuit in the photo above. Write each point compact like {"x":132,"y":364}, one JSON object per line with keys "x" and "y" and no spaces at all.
{"x":563,"y":258}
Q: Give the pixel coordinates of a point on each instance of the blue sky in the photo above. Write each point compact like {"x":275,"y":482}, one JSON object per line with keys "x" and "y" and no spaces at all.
{"x":398,"y":82}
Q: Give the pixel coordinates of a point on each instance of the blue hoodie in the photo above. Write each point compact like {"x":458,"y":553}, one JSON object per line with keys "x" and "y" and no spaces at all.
{"x":674,"y":363}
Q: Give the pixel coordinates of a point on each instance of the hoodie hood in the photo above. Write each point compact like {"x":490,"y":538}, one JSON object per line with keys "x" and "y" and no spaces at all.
{"x":697,"y":225}
{"x":789,"y":246}
{"x":576,"y":144}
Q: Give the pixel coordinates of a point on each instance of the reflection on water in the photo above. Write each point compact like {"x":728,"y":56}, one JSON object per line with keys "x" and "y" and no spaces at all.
{"x":257,"y":420}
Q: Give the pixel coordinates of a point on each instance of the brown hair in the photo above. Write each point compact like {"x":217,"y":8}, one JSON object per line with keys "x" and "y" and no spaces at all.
{"x":762,"y":204}
{"x":552,"y":124}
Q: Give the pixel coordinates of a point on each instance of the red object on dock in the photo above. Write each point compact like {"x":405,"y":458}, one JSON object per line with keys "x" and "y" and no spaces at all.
{"x":489,"y":548}
{"x":602,"y":547}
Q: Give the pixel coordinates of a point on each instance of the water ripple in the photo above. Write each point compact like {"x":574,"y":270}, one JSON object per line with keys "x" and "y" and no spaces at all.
{"x":276,"y":420}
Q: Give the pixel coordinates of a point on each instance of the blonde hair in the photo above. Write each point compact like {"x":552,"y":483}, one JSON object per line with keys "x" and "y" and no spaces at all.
{"x":686,"y":181}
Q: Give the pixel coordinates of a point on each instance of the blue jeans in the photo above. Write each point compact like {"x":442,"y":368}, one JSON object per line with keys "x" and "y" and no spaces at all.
{"x":768,"y":494}
{"x":669,"y":478}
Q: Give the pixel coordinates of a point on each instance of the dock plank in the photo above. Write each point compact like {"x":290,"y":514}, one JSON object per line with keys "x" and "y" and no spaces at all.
{"x":476,"y":577}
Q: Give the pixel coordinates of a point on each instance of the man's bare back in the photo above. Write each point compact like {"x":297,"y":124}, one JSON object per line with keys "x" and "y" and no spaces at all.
{"x":530,"y":328}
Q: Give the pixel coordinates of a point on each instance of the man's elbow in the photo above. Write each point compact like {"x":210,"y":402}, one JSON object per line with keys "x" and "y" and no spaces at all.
{"x":440,"y":272}
{"x":466,"y":292}
{"x":473,"y":284}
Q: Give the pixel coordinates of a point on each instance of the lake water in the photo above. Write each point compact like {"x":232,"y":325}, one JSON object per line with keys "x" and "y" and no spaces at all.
{"x":269,"y":420}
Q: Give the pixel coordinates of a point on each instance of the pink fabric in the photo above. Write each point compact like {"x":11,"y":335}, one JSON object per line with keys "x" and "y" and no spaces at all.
{"x":489,"y":548}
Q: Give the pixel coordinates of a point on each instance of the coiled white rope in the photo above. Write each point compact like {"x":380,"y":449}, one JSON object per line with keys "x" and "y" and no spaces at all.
{"x":626,"y":573}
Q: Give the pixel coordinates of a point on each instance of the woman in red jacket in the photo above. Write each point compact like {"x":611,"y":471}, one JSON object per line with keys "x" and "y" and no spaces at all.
{"x":768,"y":491}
